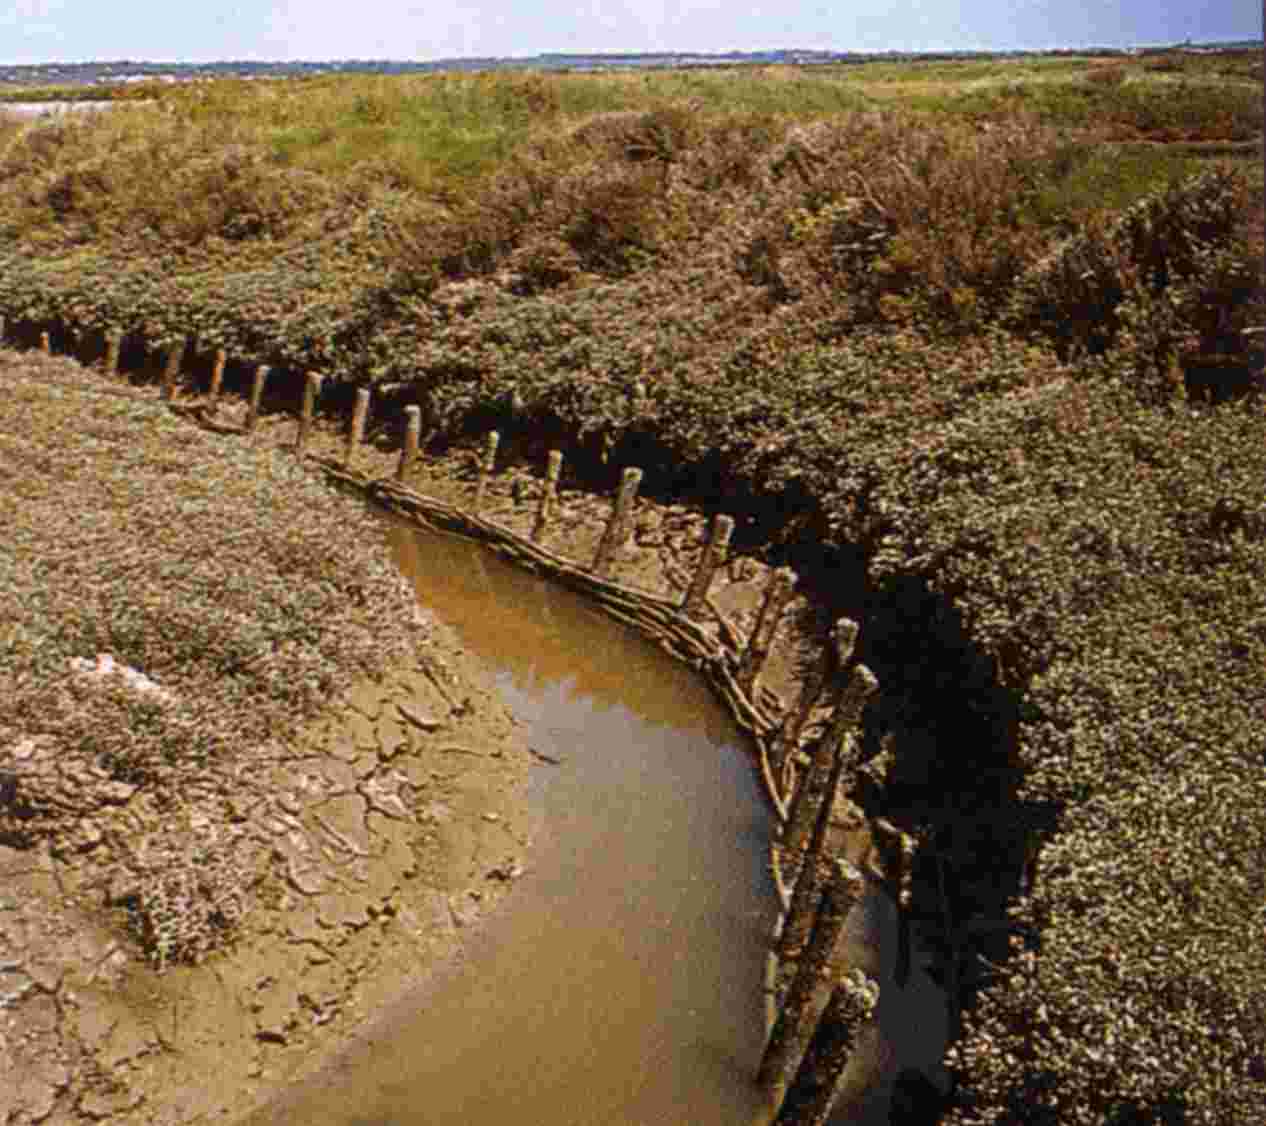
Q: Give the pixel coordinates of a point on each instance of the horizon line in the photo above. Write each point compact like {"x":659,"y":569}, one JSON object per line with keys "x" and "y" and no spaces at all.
{"x":626,"y":54}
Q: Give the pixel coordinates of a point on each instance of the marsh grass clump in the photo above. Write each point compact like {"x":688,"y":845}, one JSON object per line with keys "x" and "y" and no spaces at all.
{"x":217,"y":598}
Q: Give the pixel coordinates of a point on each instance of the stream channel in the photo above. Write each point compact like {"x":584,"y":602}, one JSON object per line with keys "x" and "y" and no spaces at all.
{"x":622,"y":983}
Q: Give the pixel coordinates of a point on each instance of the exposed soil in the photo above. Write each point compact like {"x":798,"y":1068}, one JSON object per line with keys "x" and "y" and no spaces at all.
{"x":391,"y":828}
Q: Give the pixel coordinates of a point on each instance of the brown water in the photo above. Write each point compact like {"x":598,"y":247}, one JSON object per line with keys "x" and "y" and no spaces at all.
{"x":621,"y":984}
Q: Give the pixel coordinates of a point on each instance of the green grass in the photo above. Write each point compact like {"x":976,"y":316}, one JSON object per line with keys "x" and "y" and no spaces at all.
{"x":1088,"y":179}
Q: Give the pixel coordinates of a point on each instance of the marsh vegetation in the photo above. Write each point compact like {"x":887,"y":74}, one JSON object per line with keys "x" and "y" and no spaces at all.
{"x":974,"y":342}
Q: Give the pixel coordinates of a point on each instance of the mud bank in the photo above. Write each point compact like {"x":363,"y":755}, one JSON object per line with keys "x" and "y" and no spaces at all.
{"x":380,"y":827}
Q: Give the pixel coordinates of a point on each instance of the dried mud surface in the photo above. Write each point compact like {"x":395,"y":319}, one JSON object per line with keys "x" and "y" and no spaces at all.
{"x":391,"y":830}
{"x":393,"y":826}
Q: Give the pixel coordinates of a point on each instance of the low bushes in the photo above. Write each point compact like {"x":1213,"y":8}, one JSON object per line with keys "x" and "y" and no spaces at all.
{"x":1166,"y":281}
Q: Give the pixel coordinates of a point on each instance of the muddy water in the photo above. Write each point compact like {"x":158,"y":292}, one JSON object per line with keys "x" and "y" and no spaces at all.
{"x":622,"y":982}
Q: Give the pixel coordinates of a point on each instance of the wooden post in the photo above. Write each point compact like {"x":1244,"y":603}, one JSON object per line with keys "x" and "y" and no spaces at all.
{"x":412,"y":438}
{"x":802,"y":807}
{"x":357,"y":433}
{"x":486,"y":466}
{"x":617,"y":527}
{"x":787,"y":741}
{"x":46,"y":344}
{"x":713,"y":556}
{"x":175,"y":354}
{"x":777,"y":595}
{"x":257,"y":394}
{"x":114,"y":344}
{"x":217,"y":373}
{"x":898,"y":849}
{"x":311,"y":389}
{"x":842,"y":892}
{"x":840,"y":743}
{"x":548,"y":494}
{"x":812,"y":1092}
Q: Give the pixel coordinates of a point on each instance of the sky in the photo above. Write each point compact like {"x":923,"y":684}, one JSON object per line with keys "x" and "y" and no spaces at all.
{"x":47,"y":31}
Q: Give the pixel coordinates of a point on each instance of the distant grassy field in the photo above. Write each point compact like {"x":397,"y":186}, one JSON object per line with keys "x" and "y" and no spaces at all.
{"x":972,"y":344}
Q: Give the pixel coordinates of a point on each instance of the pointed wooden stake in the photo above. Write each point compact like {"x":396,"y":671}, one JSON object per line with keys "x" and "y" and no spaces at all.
{"x":311,"y":389}
{"x":114,"y":343}
{"x":897,"y":850}
{"x":257,"y":395}
{"x":217,"y":373}
{"x":486,"y":467}
{"x":826,"y":678}
{"x":171,"y":372}
{"x":712,"y":558}
{"x":46,"y":344}
{"x":357,"y":433}
{"x":412,"y":439}
{"x":549,"y":494}
{"x":850,"y":698}
{"x":813,"y":1091}
{"x":808,"y":882}
{"x":786,"y":741}
{"x":617,"y":527}
{"x":842,"y":891}
{"x":777,"y":594}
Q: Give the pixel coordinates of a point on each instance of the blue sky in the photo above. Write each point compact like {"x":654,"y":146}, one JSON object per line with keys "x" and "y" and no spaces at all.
{"x":33,"y":31}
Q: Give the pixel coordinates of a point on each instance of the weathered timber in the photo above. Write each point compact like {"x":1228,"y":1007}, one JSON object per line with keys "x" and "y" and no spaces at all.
{"x":836,"y":681}
{"x":778,"y":593}
{"x":713,"y":556}
{"x":257,"y":395}
{"x":217,"y":372}
{"x":171,"y":371}
{"x":311,"y":389}
{"x":897,"y":849}
{"x":486,"y":468}
{"x":549,"y":495}
{"x":357,"y":432}
{"x":812,"y":1092}
{"x":114,"y":344}
{"x":787,"y":740}
{"x":412,"y":439}
{"x":842,"y":892}
{"x":616,"y":532}
{"x":46,"y":344}
{"x":806,"y":878}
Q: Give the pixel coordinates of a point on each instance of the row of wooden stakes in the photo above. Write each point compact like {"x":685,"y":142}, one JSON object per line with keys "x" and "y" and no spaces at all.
{"x":824,"y":889}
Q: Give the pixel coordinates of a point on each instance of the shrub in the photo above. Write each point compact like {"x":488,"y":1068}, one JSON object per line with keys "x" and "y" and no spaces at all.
{"x":1155,"y":273}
